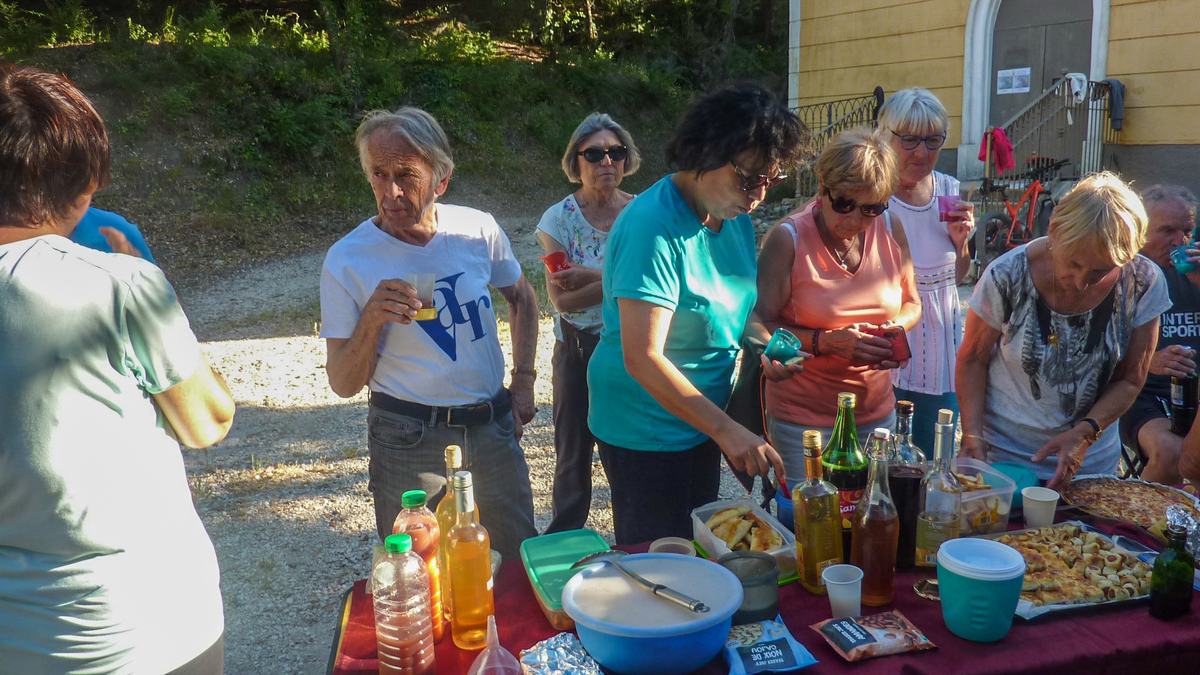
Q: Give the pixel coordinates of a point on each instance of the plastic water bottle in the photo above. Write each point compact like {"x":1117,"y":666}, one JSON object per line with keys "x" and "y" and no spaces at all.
{"x":400,"y":586}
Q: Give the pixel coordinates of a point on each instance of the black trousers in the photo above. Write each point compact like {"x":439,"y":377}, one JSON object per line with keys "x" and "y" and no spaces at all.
{"x":653,"y":493}
{"x":573,"y":441}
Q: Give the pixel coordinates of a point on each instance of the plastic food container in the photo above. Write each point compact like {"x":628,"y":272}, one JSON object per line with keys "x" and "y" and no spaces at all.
{"x":1020,"y":476}
{"x":985,"y":511}
{"x":714,"y":547}
{"x":548,"y":559}
{"x":629,"y":630}
{"x":979,"y":581}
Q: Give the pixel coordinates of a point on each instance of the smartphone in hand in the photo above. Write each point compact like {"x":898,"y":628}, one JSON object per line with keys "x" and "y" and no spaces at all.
{"x":897,"y":337}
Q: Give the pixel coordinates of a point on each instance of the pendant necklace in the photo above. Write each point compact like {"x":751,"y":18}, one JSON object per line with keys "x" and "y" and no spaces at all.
{"x":841,"y":256}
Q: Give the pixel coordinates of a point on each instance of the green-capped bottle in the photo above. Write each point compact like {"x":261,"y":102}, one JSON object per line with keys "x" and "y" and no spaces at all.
{"x":845,"y":465}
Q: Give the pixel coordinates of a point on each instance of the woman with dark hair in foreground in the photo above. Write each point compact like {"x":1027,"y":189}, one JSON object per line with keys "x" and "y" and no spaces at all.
{"x":679,"y":287}
{"x":104,"y":564}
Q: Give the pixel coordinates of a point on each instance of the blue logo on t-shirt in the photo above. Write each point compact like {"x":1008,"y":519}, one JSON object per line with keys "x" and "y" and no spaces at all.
{"x":446,"y":336}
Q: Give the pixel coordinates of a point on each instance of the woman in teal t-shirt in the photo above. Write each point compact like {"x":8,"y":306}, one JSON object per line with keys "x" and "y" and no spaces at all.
{"x":679,"y":287}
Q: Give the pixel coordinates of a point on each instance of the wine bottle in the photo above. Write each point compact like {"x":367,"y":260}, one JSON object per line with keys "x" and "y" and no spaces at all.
{"x":818,"y":519}
{"x":906,"y":468}
{"x":845,"y":465}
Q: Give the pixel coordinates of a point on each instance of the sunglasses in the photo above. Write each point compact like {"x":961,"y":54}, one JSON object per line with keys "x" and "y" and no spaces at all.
{"x":617,"y":153}
{"x":910,"y":142}
{"x":750,"y":183}
{"x":844,"y":205}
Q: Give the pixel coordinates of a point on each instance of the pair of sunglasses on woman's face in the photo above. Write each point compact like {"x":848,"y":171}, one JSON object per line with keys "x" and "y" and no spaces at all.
{"x":845,"y":205}
{"x":752,"y":182}
{"x":617,"y":153}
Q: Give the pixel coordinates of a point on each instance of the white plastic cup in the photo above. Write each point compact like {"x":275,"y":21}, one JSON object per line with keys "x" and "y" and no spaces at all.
{"x":1039,"y":504}
{"x":844,"y":584}
{"x":676,"y":545}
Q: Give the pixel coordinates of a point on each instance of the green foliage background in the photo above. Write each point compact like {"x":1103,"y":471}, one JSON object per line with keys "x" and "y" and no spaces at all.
{"x":232,"y":121}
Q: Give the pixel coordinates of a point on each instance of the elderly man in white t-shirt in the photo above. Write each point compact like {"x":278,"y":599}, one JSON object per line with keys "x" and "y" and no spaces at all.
{"x":440,"y":381}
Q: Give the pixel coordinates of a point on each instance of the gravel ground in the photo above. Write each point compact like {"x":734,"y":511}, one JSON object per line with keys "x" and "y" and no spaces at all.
{"x":285,"y":496}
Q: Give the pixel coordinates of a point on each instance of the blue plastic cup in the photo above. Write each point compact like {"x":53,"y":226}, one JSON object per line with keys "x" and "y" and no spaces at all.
{"x":783,"y":347}
{"x":1179,"y":258}
{"x":979,"y":581}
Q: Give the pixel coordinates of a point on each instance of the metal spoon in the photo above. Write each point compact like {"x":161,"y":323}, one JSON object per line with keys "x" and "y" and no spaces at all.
{"x":613,"y":558}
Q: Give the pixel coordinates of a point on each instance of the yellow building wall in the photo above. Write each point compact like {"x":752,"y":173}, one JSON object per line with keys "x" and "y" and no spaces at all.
{"x":848,"y":47}
{"x":1154,"y":49}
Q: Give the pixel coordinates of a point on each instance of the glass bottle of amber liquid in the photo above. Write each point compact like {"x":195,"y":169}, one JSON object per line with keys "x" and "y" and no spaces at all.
{"x":845,"y":465}
{"x":818,"y":519}
{"x":876,"y":527}
{"x":445,"y":520}
{"x":941,"y":496}
{"x":470,"y":562}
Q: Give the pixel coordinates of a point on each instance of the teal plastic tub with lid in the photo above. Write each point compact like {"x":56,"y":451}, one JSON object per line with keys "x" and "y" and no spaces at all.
{"x":979,"y":581}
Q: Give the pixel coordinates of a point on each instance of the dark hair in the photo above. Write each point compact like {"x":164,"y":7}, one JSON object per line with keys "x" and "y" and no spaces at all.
{"x":737,"y":118}
{"x":53,"y":146}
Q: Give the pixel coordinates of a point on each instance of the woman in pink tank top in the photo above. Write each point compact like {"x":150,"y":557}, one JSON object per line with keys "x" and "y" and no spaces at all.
{"x":837,"y":273}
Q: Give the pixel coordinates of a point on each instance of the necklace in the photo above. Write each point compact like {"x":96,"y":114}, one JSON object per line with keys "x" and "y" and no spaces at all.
{"x":840,"y":255}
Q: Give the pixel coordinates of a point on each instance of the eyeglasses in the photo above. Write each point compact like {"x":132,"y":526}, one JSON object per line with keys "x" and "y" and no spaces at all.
{"x":617,"y":153}
{"x":750,"y":183}
{"x":844,"y":205}
{"x":910,"y":142}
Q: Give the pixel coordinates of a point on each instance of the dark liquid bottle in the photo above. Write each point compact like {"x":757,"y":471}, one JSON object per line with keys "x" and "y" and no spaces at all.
{"x":876,"y":528}
{"x":845,"y":465}
{"x":1183,"y":404}
{"x":1171,"y":582}
{"x":905,"y":471}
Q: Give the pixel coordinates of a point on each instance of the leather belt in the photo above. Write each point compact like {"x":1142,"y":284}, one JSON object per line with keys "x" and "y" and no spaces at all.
{"x":454,"y":416}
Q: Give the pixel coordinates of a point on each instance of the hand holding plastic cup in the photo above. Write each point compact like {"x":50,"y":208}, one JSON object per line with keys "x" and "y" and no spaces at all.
{"x":947,"y":204}
{"x":1180,"y":259}
{"x":423,"y":283}
{"x":783,"y":346}
{"x":556,"y":261}
{"x":1038,"y":503}
{"x":844,"y":584}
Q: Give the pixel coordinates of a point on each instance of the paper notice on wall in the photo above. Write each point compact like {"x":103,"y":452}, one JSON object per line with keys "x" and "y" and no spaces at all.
{"x":1012,"y":81}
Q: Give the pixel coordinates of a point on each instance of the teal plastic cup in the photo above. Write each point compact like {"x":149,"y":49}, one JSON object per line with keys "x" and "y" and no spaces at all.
{"x":979,"y":581}
{"x":783,"y":347}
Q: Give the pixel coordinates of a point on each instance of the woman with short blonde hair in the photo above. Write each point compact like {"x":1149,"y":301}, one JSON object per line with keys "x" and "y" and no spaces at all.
{"x":837,"y":273}
{"x":1078,"y":311}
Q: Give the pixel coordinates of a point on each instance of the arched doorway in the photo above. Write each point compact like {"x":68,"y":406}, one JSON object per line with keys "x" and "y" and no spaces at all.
{"x":1011,"y":35}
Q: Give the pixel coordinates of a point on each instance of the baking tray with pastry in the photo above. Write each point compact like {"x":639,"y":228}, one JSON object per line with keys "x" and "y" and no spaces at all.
{"x":1130,"y":499}
{"x":729,"y":525}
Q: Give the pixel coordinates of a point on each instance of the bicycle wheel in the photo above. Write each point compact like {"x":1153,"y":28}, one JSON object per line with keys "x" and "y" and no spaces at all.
{"x":995,"y":237}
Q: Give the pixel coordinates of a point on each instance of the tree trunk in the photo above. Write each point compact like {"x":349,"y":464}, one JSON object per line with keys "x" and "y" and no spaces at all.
{"x":591,"y":21}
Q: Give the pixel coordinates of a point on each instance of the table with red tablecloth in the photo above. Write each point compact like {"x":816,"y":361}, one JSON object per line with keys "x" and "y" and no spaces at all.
{"x":1118,"y":639}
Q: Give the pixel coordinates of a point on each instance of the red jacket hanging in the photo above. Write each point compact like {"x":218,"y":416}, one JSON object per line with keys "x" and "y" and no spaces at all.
{"x":1002,"y":150}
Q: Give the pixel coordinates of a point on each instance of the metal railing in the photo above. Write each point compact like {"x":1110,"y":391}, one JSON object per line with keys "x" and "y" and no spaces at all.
{"x":826,"y":120}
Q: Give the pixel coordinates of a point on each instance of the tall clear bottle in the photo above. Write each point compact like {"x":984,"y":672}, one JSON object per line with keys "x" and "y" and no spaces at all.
{"x":845,"y":465}
{"x":470,"y":563}
{"x":400,"y":591}
{"x":941,"y":495}
{"x":876,"y":527}
{"x":445,"y":520}
{"x":906,"y":468}
{"x":818,"y":519}
{"x":419,"y":523}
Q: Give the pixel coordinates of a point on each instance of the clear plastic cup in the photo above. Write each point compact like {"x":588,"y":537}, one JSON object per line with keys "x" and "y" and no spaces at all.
{"x":1038,"y":503}
{"x":946,"y":204}
{"x":423,"y":283}
{"x":844,"y":584}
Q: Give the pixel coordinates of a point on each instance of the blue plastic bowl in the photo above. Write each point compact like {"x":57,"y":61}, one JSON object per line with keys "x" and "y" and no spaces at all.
{"x":784,"y":510}
{"x":671,"y":649}
{"x":979,"y":581}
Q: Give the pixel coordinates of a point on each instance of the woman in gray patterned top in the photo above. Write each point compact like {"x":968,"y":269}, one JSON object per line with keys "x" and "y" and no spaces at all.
{"x":1059,"y":337}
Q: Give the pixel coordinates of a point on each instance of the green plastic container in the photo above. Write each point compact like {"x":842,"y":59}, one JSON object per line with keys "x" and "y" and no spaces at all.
{"x":548,"y":559}
{"x":979,"y":581}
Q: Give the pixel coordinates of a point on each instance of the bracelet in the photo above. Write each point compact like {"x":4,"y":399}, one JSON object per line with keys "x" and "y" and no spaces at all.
{"x":816,"y":339}
{"x":530,"y":372}
{"x":1096,"y":428}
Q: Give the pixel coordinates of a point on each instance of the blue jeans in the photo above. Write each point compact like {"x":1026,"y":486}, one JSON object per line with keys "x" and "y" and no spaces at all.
{"x":409,"y":454}
{"x":925,"y":415}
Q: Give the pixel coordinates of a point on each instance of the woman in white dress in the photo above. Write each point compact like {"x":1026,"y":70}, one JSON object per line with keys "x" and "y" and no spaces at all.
{"x":915,"y":123}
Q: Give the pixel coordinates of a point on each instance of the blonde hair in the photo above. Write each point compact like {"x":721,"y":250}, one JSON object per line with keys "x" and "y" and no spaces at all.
{"x":859,"y":160}
{"x":914,"y":111}
{"x":1101,"y":213}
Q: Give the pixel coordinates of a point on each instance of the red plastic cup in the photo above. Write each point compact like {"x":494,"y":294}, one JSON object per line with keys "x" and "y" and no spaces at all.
{"x":556,"y":261}
{"x":946,"y":204}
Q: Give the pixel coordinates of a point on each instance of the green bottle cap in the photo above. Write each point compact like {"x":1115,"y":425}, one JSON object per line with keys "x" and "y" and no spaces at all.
{"x":413,"y":499}
{"x":398,"y":543}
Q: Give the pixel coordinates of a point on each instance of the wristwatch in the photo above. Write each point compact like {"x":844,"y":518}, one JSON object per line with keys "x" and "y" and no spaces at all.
{"x":1096,"y":429}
